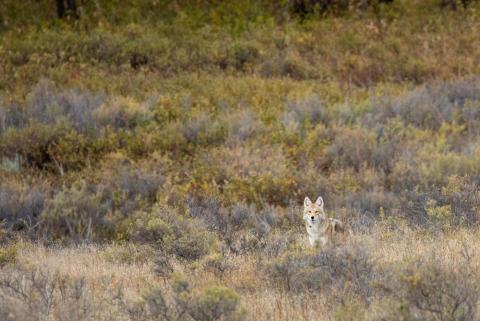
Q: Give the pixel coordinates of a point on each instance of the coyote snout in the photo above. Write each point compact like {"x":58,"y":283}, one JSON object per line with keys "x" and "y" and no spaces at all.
{"x":320,"y":228}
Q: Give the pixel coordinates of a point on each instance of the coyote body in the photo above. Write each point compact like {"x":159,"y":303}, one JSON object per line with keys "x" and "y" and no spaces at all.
{"x":320,"y":228}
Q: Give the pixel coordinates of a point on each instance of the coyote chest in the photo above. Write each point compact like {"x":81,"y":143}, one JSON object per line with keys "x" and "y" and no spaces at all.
{"x":320,"y":229}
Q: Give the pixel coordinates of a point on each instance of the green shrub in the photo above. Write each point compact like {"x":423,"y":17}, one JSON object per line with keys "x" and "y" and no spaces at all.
{"x":131,"y":185}
{"x":217,"y":303}
{"x":33,"y":143}
{"x":337,"y":272}
{"x":441,"y":216}
{"x":246,"y":174}
{"x":430,"y":107}
{"x":181,"y":302}
{"x":243,"y":125}
{"x":193,"y":245}
{"x":456,"y":4}
{"x":435,"y":167}
{"x":243,"y":56}
{"x":128,"y":253}
{"x":429,"y":289}
{"x":79,"y":212}
{"x":304,"y":8}
{"x":47,"y":103}
{"x":171,"y":232}
{"x":204,"y":131}
{"x":352,"y":147}
{"x":150,"y":228}
{"x":154,"y":306}
{"x":291,"y":65}
{"x":462,"y":193}
{"x":32,"y":293}
{"x":122,"y":112}
{"x":217,"y":263}
{"x":21,"y":204}
{"x":8,"y":255}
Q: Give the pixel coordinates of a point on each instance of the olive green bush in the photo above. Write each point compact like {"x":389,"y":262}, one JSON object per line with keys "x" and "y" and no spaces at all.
{"x":78,"y":212}
{"x":429,"y":290}
{"x":340,"y":271}
{"x":38,"y":294}
{"x":171,"y":232}
{"x":210,"y":303}
{"x":217,"y":303}
{"x":8,"y":255}
{"x":21,"y":204}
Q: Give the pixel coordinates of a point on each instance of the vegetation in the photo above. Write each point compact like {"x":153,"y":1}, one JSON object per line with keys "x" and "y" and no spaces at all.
{"x":154,"y":156}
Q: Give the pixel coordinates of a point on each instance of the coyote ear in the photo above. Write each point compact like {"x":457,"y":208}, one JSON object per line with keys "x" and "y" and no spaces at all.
{"x":319,"y":201}
{"x":307,"y":202}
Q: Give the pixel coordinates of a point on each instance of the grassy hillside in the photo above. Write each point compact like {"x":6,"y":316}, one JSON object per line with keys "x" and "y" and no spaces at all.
{"x":154,"y":157}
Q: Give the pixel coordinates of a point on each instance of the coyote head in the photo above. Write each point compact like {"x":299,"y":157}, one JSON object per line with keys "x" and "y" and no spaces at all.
{"x":313,"y":212}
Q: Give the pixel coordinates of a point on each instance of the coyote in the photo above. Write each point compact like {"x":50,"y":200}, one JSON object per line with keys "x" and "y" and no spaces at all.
{"x":321,"y":228}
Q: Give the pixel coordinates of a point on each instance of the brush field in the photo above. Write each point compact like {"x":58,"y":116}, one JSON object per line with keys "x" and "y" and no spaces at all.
{"x":154,"y":158}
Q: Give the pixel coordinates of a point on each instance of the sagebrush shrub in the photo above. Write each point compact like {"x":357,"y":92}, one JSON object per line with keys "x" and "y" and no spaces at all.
{"x":309,"y":110}
{"x":37,"y":294}
{"x":305,"y":8}
{"x":33,"y":144}
{"x":21,"y":205}
{"x":182,"y":302}
{"x":242,"y":125}
{"x":131,"y":185}
{"x":203,"y":130}
{"x":167,"y":230}
{"x":432,"y":105}
{"x":244,"y":56}
{"x":77,"y":212}
{"x":351,"y":147}
{"x":129,"y":253}
{"x":47,"y":104}
{"x":337,"y":272}
{"x":370,"y":203}
{"x":430,"y":289}
{"x":11,"y":116}
{"x":217,"y":263}
{"x":8,"y":255}
{"x":122,"y":112}
{"x":217,"y":303}
{"x":462,"y":193}
{"x":193,"y":245}
{"x":456,"y":4}
{"x":154,"y":306}
{"x":210,"y":211}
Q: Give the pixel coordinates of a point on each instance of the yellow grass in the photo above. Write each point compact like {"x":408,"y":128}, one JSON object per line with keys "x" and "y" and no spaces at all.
{"x":261,"y":301}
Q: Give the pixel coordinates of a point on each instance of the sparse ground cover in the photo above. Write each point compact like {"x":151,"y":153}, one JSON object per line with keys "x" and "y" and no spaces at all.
{"x":153,"y":157}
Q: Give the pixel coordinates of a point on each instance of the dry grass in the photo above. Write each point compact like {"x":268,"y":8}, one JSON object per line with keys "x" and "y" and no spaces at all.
{"x":261,"y":299}
{"x":89,"y":262}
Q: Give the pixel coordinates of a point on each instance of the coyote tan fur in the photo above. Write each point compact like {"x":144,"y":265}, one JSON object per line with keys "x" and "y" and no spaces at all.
{"x":320,"y":228}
